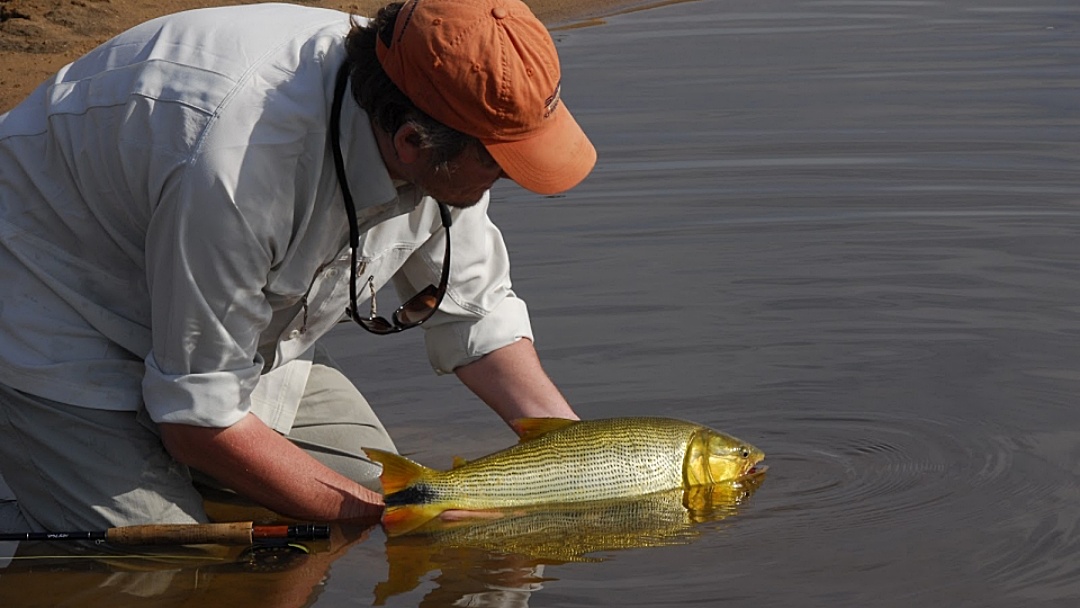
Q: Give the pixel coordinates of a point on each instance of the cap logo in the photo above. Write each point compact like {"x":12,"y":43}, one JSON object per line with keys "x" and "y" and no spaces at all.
{"x":552,"y":103}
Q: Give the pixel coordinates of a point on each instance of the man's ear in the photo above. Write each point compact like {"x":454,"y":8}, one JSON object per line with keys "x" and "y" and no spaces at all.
{"x":407,"y":144}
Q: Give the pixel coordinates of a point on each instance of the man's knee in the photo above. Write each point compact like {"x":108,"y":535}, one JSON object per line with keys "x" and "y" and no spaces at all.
{"x":335,"y":422}
{"x":333,"y":411}
{"x":73,"y":468}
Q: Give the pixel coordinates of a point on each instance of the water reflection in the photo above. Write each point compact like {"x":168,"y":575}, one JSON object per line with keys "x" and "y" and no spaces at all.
{"x":500,"y":562}
{"x":491,"y":562}
{"x":86,"y":576}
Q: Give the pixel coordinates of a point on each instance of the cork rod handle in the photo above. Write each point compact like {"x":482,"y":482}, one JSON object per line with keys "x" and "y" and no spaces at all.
{"x":232,"y":533}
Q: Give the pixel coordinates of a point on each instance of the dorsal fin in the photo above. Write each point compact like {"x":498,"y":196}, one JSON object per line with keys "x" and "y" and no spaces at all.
{"x":459,"y":462}
{"x":531,"y":428}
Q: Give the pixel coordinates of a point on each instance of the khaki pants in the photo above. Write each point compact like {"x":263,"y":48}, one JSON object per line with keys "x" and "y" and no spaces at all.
{"x":72,"y":468}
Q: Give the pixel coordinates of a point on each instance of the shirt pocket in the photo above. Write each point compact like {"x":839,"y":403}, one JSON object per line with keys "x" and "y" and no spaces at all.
{"x":317,"y":311}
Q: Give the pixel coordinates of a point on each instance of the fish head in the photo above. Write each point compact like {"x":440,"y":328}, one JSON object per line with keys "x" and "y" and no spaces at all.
{"x":713,"y":457}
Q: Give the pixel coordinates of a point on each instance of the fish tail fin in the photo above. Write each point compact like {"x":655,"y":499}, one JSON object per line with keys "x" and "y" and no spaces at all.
{"x":398,"y":472}
{"x":402,"y":519}
{"x":401,"y":475}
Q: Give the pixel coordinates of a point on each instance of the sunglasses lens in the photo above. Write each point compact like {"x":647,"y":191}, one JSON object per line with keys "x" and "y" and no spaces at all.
{"x":419,"y":307}
{"x":378,"y":325}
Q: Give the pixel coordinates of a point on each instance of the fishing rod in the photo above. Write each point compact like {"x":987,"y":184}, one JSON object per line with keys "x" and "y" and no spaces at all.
{"x":231,"y":533}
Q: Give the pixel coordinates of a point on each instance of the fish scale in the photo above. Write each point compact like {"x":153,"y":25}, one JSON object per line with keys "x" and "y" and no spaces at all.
{"x":557,"y":461}
{"x":562,"y":463}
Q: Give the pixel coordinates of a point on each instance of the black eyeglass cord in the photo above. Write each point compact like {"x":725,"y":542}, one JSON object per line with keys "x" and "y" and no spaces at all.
{"x":343,"y":183}
{"x":339,"y":166}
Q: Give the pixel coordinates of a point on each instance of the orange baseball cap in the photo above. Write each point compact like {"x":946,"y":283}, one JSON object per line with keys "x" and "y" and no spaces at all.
{"x":489,"y":69}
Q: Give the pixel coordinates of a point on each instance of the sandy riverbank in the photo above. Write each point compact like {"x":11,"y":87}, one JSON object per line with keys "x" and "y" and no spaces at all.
{"x":37,"y":37}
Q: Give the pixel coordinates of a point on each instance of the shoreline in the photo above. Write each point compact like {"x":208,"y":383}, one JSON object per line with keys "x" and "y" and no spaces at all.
{"x":38,"y":37}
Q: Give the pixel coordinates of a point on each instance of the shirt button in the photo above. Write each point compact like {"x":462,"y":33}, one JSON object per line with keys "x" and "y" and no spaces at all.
{"x":294,"y":334}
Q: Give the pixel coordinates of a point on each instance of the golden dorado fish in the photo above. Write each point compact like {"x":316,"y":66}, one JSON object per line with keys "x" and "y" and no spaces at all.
{"x":565,"y":461}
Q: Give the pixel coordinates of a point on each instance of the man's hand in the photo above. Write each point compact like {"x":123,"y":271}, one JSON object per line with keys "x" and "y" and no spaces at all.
{"x":261,"y":465}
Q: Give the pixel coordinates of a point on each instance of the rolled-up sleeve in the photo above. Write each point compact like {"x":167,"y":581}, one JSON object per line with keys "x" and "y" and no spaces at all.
{"x":480,"y":313}
{"x":212,"y":399}
{"x":451,"y":345}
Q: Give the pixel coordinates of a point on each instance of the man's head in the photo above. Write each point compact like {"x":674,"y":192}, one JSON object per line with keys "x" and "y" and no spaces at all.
{"x":487,"y":70}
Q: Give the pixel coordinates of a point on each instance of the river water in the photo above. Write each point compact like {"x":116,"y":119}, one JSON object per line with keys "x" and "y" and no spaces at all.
{"x":846,"y":231}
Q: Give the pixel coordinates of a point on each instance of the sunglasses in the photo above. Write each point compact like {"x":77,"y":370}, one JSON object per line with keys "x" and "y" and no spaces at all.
{"x":416,"y":309}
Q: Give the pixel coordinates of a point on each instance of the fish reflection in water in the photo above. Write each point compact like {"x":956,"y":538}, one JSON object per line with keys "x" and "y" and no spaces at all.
{"x":500,"y":561}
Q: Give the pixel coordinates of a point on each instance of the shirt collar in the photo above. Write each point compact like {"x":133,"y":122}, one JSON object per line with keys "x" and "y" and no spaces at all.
{"x":369,"y":179}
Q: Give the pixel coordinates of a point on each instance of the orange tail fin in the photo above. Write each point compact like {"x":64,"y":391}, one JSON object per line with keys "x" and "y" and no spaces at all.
{"x":406,"y":518}
{"x":398,"y":472}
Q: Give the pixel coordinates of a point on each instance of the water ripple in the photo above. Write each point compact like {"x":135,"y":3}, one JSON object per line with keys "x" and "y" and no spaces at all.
{"x":883,"y":476}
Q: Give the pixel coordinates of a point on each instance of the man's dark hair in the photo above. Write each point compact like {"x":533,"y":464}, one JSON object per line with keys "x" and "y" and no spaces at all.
{"x":388,"y":107}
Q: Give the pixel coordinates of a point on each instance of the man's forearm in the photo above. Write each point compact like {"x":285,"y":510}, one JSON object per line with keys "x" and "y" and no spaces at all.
{"x":265,"y":467}
{"x":513,"y":383}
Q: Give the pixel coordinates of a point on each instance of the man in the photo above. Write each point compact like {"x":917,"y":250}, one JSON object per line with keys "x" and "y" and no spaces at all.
{"x":187,"y":208}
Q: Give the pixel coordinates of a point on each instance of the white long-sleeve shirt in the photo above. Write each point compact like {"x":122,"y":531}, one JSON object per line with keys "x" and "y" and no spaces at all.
{"x":171,"y":226}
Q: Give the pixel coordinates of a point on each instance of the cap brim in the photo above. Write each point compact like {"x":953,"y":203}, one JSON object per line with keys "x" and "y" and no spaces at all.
{"x":552,"y":160}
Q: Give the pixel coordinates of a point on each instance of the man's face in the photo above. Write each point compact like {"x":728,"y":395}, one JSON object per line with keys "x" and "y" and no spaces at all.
{"x":462,"y":181}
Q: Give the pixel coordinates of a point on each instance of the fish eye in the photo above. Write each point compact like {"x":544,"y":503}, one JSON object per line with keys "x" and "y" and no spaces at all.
{"x":745,"y":452}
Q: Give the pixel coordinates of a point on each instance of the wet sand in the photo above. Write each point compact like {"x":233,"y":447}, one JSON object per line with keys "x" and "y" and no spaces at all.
{"x":37,"y":37}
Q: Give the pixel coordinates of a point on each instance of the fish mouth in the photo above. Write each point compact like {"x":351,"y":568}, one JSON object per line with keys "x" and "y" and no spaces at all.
{"x":755,"y":471}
